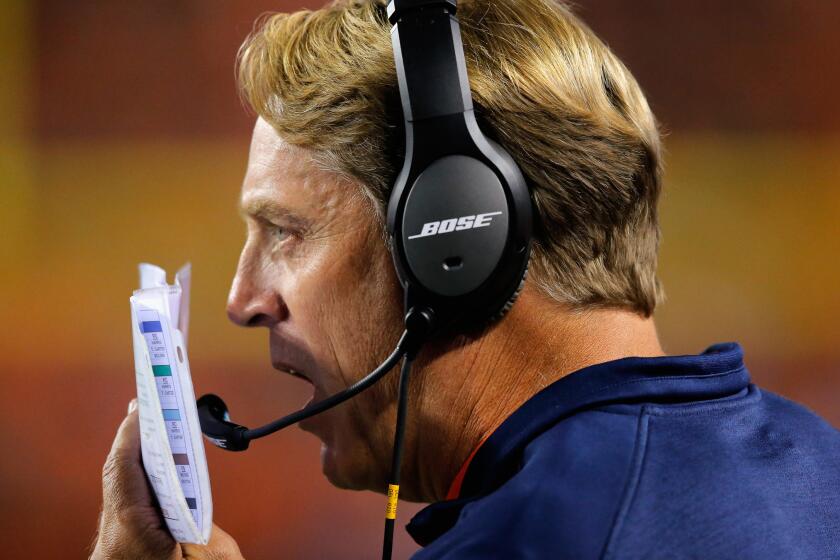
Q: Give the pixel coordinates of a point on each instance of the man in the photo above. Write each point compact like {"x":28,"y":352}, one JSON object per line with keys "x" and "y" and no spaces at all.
{"x":561,"y":431}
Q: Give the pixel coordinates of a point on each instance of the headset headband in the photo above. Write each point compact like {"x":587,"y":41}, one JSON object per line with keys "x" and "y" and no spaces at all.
{"x":429,"y":57}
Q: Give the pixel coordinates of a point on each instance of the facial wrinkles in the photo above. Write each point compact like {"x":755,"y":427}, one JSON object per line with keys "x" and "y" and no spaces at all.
{"x":336,"y":283}
{"x":332,"y":258}
{"x":284,"y":196}
{"x":356,"y":336}
{"x":344,"y":303}
{"x":264,"y":264}
{"x":278,"y":184}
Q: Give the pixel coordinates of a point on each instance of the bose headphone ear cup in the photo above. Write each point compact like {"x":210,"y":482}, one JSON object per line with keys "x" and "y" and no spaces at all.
{"x":459,"y":213}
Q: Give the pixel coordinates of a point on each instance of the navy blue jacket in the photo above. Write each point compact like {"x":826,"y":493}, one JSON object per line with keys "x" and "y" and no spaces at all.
{"x":671,"y":457}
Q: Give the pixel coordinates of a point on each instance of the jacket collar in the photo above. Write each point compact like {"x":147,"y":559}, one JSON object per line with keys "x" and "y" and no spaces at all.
{"x":717,"y":372}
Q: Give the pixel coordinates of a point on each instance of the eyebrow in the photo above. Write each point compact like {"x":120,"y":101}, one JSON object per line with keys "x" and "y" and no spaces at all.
{"x":271,"y":211}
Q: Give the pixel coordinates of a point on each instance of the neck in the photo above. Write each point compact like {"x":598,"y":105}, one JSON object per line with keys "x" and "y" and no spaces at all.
{"x":468,"y":388}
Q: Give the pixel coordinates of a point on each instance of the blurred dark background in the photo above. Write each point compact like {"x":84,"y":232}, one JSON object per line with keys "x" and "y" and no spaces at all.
{"x":122,"y":140}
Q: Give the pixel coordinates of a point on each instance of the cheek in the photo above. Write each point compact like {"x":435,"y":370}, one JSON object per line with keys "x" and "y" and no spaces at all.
{"x":346,"y":302}
{"x":355,"y":436}
{"x":362,"y":302}
{"x":360,"y":320}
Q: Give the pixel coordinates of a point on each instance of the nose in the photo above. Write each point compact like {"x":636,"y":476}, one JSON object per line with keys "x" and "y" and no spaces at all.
{"x":253,"y":302}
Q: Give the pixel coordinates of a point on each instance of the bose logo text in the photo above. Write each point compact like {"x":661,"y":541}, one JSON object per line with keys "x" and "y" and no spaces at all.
{"x":455,"y":224}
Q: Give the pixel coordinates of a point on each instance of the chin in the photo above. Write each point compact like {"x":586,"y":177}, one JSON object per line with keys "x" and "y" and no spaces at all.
{"x":344,"y":470}
{"x":346,"y":460}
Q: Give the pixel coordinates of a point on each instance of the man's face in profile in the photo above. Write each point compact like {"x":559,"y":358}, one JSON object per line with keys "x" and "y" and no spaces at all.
{"x":316,"y":273}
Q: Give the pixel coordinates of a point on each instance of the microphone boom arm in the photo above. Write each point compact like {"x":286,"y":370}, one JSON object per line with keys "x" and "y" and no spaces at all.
{"x":333,"y":400}
{"x":213,"y":412}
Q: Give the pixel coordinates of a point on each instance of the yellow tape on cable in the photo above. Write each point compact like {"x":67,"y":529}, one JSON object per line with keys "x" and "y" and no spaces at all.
{"x":391,"y":508}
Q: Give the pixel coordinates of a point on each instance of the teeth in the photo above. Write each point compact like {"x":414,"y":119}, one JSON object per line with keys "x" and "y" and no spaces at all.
{"x":294,"y":373}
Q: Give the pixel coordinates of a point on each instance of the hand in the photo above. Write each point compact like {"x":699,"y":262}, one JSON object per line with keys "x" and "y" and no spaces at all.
{"x":131,"y":526}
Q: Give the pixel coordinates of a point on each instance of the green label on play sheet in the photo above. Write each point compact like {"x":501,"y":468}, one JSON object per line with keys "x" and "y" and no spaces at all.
{"x":161,"y":371}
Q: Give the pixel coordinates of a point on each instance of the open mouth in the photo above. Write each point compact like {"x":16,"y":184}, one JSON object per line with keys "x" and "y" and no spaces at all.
{"x":292,"y":371}
{"x":285,"y":368}
{"x":299,"y":375}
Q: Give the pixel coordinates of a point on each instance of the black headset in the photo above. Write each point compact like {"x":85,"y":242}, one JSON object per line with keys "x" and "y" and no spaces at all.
{"x":459,"y":220}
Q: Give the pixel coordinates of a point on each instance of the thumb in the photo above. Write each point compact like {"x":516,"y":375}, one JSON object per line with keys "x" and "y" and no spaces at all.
{"x":123,"y":481}
{"x":221,"y":547}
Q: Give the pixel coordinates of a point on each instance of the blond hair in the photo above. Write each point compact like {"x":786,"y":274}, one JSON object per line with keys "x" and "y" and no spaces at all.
{"x":544,"y":87}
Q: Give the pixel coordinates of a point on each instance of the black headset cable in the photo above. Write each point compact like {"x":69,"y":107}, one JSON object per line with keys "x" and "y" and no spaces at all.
{"x":396,"y":459}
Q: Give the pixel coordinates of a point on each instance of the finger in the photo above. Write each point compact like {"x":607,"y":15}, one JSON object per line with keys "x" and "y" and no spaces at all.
{"x":123,"y":480}
{"x":130,"y":525}
{"x":221,"y":547}
{"x":127,"y":439}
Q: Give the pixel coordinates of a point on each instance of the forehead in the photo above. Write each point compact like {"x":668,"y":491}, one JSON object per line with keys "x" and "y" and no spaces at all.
{"x":283,"y":176}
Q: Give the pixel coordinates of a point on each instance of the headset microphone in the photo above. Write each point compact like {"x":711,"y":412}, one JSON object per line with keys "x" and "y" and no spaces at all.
{"x":213,"y":412}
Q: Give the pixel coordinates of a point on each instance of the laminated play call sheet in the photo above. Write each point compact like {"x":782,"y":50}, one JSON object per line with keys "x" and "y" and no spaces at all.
{"x":170,"y":435}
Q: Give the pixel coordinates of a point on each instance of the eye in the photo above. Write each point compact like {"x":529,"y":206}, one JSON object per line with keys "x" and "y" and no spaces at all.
{"x":280,"y":233}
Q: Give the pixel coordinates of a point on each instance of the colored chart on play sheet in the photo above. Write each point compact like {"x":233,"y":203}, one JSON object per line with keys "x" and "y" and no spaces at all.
{"x":171,"y":403}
